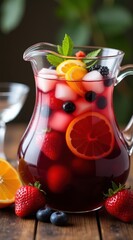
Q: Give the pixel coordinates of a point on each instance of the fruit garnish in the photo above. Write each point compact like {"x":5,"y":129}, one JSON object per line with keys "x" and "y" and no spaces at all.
{"x":58,"y":178}
{"x":50,"y":143}
{"x":54,"y":103}
{"x":65,"y":50}
{"x":102,"y":69}
{"x":69,"y":107}
{"x":80,"y":54}
{"x":66,"y":65}
{"x":9,"y":183}
{"x":29,"y":199}
{"x":119,"y":202}
{"x":90,"y":96}
{"x":74,"y":78}
{"x":90,"y":136}
{"x":101,"y":102}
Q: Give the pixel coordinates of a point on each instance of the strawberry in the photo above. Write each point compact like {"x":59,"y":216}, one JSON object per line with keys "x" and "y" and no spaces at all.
{"x":29,"y":199}
{"x":54,"y":104}
{"x":119,"y":202}
{"x":50,"y":143}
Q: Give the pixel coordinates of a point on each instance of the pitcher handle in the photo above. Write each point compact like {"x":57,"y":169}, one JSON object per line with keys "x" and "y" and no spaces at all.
{"x":125,"y":71}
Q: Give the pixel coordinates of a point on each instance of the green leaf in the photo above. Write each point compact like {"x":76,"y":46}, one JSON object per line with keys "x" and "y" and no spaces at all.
{"x":114,"y":186}
{"x":66,"y":50}
{"x":12,"y":12}
{"x":67,"y":46}
{"x":54,"y":60}
{"x":94,"y":53}
{"x":90,"y":55}
{"x":59,"y":49}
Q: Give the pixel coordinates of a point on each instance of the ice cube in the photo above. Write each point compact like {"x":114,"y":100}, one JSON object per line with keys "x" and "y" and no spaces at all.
{"x":64,"y":92}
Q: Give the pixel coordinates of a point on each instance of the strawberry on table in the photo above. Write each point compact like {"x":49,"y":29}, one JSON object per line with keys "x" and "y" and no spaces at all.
{"x":29,"y":199}
{"x":119,"y":202}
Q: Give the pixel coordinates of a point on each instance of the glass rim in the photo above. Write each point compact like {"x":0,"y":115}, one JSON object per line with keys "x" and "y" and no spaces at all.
{"x":40,"y":48}
{"x":6,"y":85}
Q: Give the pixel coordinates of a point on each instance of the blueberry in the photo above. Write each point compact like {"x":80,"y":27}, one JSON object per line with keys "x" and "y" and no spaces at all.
{"x":59,"y":218}
{"x":69,"y":107}
{"x":90,"y":96}
{"x":44,"y":214}
{"x":108,"y":82}
{"x":101,"y":102}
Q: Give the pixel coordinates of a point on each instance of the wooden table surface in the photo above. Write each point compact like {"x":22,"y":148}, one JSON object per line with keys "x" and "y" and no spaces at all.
{"x":91,"y":226}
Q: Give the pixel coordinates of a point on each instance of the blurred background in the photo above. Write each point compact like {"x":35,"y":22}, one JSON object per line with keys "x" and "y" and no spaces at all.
{"x":89,"y":22}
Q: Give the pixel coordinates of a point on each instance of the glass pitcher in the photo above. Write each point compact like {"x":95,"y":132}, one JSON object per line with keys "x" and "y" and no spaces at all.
{"x":73,"y":144}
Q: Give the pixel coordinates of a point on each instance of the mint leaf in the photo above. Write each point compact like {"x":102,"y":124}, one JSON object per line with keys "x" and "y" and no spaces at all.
{"x":67,"y":45}
{"x":92,"y":54}
{"x":59,"y":49}
{"x":65,"y":49}
{"x":54,"y":60}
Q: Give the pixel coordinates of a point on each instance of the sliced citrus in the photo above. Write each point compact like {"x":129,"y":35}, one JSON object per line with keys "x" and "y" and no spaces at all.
{"x":9,"y":183}
{"x":64,"y":66}
{"x":90,"y":136}
{"x":74,"y":78}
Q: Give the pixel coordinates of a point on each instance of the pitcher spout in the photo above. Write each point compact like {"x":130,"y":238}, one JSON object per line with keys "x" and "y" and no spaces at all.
{"x":36,"y":54}
{"x":128,"y":135}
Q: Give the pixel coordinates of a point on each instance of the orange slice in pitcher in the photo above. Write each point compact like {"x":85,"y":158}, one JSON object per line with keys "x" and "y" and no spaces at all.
{"x":90,"y":136}
{"x":64,"y":66}
{"x":9,"y":183}
{"x":74,"y":78}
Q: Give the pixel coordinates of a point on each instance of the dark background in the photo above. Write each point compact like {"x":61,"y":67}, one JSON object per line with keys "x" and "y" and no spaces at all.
{"x":43,"y":20}
{"x":38,"y":24}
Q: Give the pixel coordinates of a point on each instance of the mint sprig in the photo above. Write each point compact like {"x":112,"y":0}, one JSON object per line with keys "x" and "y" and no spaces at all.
{"x":54,"y":60}
{"x":67,"y":46}
{"x":92,"y":54}
{"x":65,"y":49}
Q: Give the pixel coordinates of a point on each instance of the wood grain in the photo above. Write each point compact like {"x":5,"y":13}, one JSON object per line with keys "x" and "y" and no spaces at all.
{"x":81,"y":226}
{"x":13,"y":227}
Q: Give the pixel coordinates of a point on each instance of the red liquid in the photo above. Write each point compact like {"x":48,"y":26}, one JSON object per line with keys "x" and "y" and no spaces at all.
{"x":72,"y":183}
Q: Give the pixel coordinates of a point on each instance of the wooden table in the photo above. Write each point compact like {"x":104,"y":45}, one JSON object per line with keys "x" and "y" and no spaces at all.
{"x":92,"y":226}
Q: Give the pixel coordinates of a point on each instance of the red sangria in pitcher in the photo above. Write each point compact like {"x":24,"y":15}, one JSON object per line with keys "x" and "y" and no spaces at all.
{"x":73,"y":145}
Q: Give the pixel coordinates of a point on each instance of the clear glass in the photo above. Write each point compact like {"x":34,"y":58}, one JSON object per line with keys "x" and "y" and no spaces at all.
{"x":73,"y":144}
{"x":12,"y":98}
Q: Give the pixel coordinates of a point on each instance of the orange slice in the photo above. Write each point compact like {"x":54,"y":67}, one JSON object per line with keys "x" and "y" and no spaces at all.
{"x":90,"y":136}
{"x":74,"y":78}
{"x":9,"y":183}
{"x":64,"y":66}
